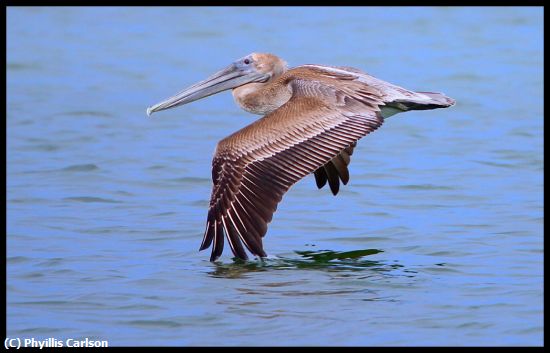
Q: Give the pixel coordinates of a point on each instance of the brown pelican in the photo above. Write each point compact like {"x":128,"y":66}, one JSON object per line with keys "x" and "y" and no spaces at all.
{"x":313,"y":117}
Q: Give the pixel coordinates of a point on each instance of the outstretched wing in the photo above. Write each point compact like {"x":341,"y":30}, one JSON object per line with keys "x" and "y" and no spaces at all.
{"x":254,"y":167}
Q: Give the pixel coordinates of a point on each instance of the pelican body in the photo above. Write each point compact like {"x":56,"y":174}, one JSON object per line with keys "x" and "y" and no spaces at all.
{"x":313,"y":116}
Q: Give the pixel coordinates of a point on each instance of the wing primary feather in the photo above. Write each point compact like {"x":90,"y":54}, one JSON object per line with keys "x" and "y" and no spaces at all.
{"x":233,"y":238}
{"x":257,"y":169}
{"x":256,"y":203}
{"x":320,"y":177}
{"x":256,"y":173}
{"x":345,"y":157}
{"x":252,"y":243}
{"x":342,"y":169}
{"x":350,"y":148}
{"x":306,"y":156}
{"x":303,"y":164}
{"x":218,"y":242}
{"x":327,"y":144}
{"x":292,"y":165}
{"x":253,"y":239}
{"x":208,"y":235}
{"x":257,"y":220}
{"x":333,"y":180}
{"x":248,"y":198}
{"x":276,"y":167}
{"x":323,"y":154}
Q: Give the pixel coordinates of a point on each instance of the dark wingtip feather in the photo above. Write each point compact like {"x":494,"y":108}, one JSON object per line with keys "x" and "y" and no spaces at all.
{"x":234,"y":242}
{"x":320,"y":177}
{"x":208,"y":236}
{"x":217,"y":249}
{"x":333,"y":179}
{"x":341,"y":168}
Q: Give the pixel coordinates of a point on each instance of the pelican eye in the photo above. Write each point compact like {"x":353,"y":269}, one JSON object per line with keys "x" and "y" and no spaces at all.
{"x":247,"y":61}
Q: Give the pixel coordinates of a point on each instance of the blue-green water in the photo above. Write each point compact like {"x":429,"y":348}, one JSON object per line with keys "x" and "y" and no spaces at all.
{"x":436,"y":240}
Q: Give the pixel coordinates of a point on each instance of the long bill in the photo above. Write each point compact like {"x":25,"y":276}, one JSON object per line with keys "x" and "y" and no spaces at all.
{"x":230,"y":77}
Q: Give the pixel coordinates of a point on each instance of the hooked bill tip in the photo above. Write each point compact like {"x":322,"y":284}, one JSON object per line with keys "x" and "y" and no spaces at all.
{"x":149,"y":111}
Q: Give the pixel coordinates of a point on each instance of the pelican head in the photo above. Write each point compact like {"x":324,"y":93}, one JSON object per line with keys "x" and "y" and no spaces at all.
{"x":253,"y":68}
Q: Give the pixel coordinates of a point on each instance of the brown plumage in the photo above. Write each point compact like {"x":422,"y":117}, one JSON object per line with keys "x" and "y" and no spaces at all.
{"x":314,"y":116}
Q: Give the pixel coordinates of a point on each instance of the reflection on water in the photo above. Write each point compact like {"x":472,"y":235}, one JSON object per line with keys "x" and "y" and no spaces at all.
{"x":323,"y":260}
